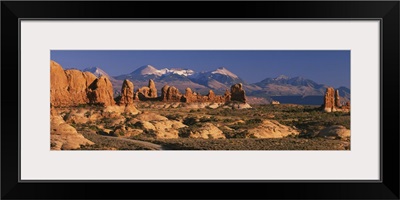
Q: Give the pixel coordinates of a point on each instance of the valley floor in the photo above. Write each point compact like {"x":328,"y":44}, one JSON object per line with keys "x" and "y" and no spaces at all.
{"x":161,"y":126}
{"x":115,"y":143}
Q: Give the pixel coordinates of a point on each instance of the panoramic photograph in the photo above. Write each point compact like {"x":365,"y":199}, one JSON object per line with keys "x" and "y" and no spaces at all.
{"x":200,"y":100}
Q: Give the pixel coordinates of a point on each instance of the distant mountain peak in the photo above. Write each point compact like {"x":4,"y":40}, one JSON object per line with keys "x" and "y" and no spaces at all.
{"x":151,"y":70}
{"x":224,"y":71}
{"x":96,"y":71}
{"x":282,"y":77}
{"x":147,"y":70}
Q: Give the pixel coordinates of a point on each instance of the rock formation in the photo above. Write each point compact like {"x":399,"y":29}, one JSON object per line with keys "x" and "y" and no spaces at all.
{"x":272,"y":129}
{"x":63,"y":136}
{"x":337,"y":99}
{"x":227,"y":96}
{"x":69,"y":87}
{"x":157,"y":126}
{"x":332,"y":101}
{"x":59,"y":94}
{"x":207,"y":131}
{"x":335,"y":131}
{"x":153,"y":89}
{"x":191,"y":97}
{"x":72,"y":87}
{"x":101,"y":92}
{"x":211,"y":97}
{"x":170,"y":93}
{"x":237,"y":93}
{"x":147,"y":93}
{"x":126,"y":93}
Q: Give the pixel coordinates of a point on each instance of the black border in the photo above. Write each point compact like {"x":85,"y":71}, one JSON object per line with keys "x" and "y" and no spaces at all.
{"x":387,"y":11}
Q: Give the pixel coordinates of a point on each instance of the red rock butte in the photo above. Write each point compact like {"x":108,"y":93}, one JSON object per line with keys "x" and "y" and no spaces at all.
{"x":73,"y":87}
{"x":332,"y":102}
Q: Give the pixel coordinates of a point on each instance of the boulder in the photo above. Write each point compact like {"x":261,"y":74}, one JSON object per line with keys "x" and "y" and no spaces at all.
{"x":207,"y":131}
{"x":167,"y":128}
{"x":272,"y":129}
{"x":335,"y":131}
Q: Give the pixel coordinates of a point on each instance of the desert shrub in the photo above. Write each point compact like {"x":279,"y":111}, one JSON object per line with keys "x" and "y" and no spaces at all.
{"x":150,"y":132}
{"x":66,"y":116}
{"x":190,"y":121}
{"x":253,"y":121}
{"x":184,"y":132}
{"x":136,"y":125}
{"x":88,"y":113}
{"x":94,"y":128}
{"x":241,"y":134}
{"x":118,"y":98}
{"x":174,"y":117}
{"x":227,"y":120}
{"x":208,"y":119}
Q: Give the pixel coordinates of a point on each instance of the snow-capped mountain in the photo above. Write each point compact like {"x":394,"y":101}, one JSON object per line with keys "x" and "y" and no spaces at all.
{"x":221,"y":79}
{"x":285,"y":80}
{"x":226,"y":72}
{"x":97,"y":72}
{"x":296,"y":86}
{"x":150,"y":72}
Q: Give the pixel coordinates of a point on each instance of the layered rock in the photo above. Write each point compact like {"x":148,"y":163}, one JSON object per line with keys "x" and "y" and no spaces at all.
{"x":237,"y":93}
{"x":170,"y":93}
{"x":73,"y":87}
{"x":101,"y":92}
{"x":332,"y":101}
{"x":126,"y":93}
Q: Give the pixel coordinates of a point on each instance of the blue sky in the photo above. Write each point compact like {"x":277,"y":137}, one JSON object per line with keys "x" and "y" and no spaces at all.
{"x":326,"y":67}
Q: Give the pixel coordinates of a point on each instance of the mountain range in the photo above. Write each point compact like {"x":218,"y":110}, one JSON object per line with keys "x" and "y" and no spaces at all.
{"x":289,"y":90}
